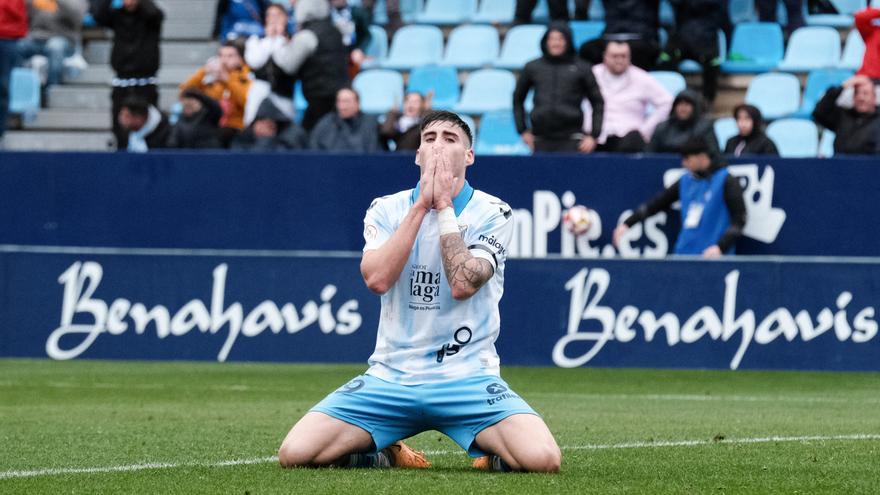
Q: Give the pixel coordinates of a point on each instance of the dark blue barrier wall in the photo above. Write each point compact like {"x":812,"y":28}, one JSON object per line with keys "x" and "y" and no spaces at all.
{"x":136,"y":304}
{"x":305,"y":201}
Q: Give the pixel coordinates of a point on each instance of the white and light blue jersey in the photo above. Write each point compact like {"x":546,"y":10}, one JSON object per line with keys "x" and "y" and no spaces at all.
{"x":424,"y":334}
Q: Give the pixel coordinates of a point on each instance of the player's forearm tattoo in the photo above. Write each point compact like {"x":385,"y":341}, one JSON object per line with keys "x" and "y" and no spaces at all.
{"x":463,"y":270}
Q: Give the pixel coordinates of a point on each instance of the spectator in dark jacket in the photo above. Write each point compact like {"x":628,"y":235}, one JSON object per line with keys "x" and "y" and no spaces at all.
{"x":696,"y":38}
{"x":145,"y":126}
{"x":751,"y":139}
{"x":199,"y":124}
{"x":137,"y":27}
{"x":13,"y":26}
{"x":347,"y":129}
{"x":271,"y":130}
{"x":857,"y":127}
{"x":636,"y":22}
{"x":685,"y":123}
{"x":402,"y":128}
{"x":317,"y":57}
{"x":561,"y":82}
{"x":767,"y":10}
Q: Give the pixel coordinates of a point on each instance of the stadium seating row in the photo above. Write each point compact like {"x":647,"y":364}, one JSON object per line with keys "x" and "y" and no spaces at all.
{"x":756,"y":47}
{"x":450,"y":12}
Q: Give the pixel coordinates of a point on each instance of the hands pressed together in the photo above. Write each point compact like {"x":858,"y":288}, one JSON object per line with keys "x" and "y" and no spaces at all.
{"x":437,"y":182}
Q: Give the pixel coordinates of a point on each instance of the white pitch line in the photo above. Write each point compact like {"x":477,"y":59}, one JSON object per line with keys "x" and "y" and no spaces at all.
{"x":261,"y":460}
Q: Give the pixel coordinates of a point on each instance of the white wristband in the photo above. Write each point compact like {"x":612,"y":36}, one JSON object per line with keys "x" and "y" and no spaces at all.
{"x":447,"y":221}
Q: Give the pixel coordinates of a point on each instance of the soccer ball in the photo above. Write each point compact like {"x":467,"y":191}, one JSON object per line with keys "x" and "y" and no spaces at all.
{"x":577,"y":219}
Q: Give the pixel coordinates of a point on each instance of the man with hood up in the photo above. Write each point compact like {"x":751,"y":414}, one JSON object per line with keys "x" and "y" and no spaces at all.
{"x":561,"y":81}
{"x":271,"y":130}
{"x":685,"y":122}
{"x":199,"y":123}
{"x":318,"y":58}
{"x":751,"y":139}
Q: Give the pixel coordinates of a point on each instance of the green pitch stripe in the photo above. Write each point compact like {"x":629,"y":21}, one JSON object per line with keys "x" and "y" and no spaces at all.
{"x":262,"y":460}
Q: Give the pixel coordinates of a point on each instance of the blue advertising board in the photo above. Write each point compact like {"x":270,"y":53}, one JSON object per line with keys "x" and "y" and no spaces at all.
{"x":316,"y":202}
{"x":294,"y":307}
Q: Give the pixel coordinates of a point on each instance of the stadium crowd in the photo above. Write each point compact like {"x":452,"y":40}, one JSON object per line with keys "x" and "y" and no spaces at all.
{"x":599,"y":96}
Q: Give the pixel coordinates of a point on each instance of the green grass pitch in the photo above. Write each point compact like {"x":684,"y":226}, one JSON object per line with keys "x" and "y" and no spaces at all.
{"x":159,"y":427}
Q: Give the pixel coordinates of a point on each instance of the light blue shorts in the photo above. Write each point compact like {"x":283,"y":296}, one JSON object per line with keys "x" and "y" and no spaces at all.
{"x":390,"y":412}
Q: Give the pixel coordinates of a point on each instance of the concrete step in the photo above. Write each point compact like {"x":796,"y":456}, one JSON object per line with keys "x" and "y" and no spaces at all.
{"x":58,"y":141}
{"x":65,"y":119}
{"x":98,"y":98}
{"x":102,"y":75}
{"x":188,"y":9}
{"x":188,"y":29}
{"x":173,"y":52}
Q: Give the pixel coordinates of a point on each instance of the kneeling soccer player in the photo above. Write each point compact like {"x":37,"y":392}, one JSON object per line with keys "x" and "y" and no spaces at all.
{"x":436,"y":254}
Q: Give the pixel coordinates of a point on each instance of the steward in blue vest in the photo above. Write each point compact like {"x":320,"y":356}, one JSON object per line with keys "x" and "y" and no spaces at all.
{"x":713,"y":212}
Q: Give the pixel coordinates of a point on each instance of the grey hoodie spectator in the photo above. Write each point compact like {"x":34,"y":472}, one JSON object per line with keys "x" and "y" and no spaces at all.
{"x":685,"y":123}
{"x":271,"y":130}
{"x":347,"y":129}
{"x":318,"y":58}
{"x":561,"y":82}
{"x":199,"y":124}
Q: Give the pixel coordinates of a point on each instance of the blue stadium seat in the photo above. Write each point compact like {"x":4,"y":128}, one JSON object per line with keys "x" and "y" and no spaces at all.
{"x":379,"y":90}
{"x":443,"y":81}
{"x":521,"y":44}
{"x":826,"y":143}
{"x":447,"y":12}
{"x":667,"y":15}
{"x":597,"y":11}
{"x":818,"y":81}
{"x":541,"y":14}
{"x":725,"y":128}
{"x":471,"y":47}
{"x":811,"y":47}
{"x":795,"y":138}
{"x":377,"y":50}
{"x":853,"y":51}
{"x":584,"y":31}
{"x":24,"y":93}
{"x":498,"y":135}
{"x":691,"y":66}
{"x":495,"y":12}
{"x":672,"y":81}
{"x":486,"y":90}
{"x":756,"y":47}
{"x":777,"y":95}
{"x":844,"y":17}
{"x":742,"y":11}
{"x":299,"y":101}
{"x":413,"y":46}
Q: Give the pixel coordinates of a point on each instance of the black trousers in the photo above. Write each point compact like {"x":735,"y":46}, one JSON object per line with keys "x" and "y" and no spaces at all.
{"x":544,"y":145}
{"x":706,"y":56}
{"x":558,"y":10}
{"x":632,"y":142}
{"x":150,"y":93}
{"x":318,"y":107}
{"x":767,"y":12}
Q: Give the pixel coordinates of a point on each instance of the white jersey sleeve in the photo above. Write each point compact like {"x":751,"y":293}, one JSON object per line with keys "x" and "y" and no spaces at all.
{"x":378,"y":227}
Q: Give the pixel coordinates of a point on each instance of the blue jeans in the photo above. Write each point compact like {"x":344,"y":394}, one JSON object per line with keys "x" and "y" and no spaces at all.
{"x":7,"y":60}
{"x":56,"y":49}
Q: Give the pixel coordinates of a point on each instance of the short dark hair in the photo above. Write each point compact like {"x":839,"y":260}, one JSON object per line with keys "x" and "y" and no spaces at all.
{"x":357,"y":96}
{"x":695,"y":146}
{"x":237,"y":43}
{"x":137,"y":106}
{"x":444,"y":116}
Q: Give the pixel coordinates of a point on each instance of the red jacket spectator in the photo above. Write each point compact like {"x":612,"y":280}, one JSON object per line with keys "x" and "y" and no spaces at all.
{"x":868,"y":24}
{"x":14,"y":23}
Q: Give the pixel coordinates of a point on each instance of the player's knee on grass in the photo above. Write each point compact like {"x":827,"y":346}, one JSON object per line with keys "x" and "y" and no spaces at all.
{"x":541,"y":459}
{"x":292,"y":455}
